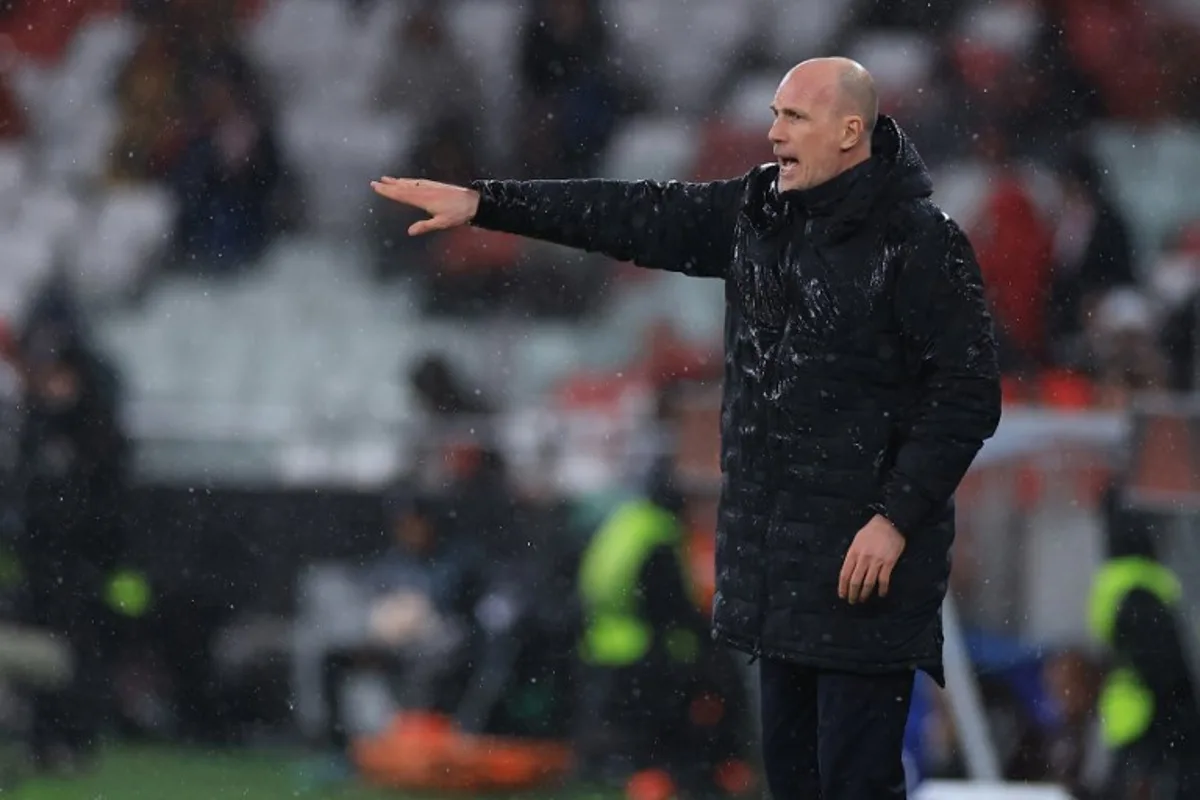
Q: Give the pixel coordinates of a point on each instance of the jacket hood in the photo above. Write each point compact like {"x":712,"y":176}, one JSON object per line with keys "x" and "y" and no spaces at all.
{"x":894,"y":172}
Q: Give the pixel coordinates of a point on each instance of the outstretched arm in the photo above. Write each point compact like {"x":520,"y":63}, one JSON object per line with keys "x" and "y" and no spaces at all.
{"x":682,"y":227}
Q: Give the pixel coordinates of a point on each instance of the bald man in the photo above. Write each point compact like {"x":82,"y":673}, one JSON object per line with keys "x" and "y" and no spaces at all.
{"x":860,"y":382}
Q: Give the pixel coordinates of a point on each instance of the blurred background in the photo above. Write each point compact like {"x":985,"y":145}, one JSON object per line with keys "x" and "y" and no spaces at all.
{"x":292,"y":503}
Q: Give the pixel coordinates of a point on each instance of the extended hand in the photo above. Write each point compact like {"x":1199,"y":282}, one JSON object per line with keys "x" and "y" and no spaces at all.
{"x":448,"y":206}
{"x":869,"y":562}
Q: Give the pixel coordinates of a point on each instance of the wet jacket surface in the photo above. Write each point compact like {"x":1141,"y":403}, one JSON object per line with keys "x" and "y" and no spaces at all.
{"x":860,"y":378}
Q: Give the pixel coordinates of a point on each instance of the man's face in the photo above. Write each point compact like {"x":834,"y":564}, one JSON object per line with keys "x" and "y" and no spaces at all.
{"x":56,"y":387}
{"x":809,"y":131}
{"x":414,"y":533}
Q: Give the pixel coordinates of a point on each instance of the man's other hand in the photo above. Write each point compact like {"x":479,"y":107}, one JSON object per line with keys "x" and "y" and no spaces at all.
{"x":447,"y":206}
{"x":869,"y":562}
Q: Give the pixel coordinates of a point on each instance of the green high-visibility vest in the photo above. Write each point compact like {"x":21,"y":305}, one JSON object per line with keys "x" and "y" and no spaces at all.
{"x":1126,"y":705}
{"x":616,"y":635}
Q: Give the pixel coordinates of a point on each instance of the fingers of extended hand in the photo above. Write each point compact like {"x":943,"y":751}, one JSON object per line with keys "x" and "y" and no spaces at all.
{"x":426,"y":226}
{"x":394,"y":189}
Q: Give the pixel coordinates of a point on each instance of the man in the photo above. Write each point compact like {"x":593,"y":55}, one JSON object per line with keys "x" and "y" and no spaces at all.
{"x":1149,"y":715}
{"x":646,"y":664}
{"x":71,"y":468}
{"x":860,"y":381}
{"x":424,"y":591}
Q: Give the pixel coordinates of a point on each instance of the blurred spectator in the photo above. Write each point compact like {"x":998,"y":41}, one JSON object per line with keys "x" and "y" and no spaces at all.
{"x":226,"y":176}
{"x":1115,"y":44}
{"x":13,"y":121}
{"x":1122,"y":338}
{"x":443,"y":392}
{"x":150,"y":104}
{"x":424,"y":590}
{"x":1092,"y":251}
{"x":1175,"y":281}
{"x":72,"y":467}
{"x":1020,"y":742}
{"x":427,"y":75}
{"x":645,"y":645}
{"x":1074,"y":751}
{"x":1062,"y":87}
{"x":928,"y":16}
{"x":571,"y":98}
{"x":1014,"y":248}
{"x":1148,"y":706}
{"x":10,"y":395}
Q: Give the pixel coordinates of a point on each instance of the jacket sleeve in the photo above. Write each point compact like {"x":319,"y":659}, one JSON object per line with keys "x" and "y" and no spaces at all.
{"x":681,"y":227}
{"x":947,"y":332}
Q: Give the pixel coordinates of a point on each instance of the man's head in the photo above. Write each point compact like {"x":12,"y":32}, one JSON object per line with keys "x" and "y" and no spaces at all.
{"x":825,"y":111}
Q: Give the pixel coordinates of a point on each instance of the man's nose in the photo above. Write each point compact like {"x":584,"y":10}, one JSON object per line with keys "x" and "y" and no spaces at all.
{"x":775,"y":133}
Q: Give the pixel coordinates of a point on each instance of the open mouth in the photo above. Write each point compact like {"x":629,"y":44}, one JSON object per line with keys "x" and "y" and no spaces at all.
{"x":786,"y":163}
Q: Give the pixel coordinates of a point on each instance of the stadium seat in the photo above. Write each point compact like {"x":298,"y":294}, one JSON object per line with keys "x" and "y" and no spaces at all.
{"x":651,"y":148}
{"x":132,"y":229}
{"x":798,"y":29}
{"x":685,"y":69}
{"x":26,"y":259}
{"x":337,"y":154}
{"x":299,"y":43}
{"x":488,"y":33}
{"x":749,"y":104}
{"x":901,"y":62}
{"x":54,"y":211}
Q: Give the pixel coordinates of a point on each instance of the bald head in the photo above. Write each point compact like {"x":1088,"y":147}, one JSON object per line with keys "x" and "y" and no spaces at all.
{"x":825,"y":111}
{"x":857,"y":91}
{"x":843,"y":82}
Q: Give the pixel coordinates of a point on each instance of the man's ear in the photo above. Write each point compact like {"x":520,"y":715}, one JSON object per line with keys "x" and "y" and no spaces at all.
{"x":853,"y":132}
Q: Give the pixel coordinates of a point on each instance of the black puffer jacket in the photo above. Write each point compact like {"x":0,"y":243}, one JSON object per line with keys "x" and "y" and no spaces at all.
{"x":860,"y":378}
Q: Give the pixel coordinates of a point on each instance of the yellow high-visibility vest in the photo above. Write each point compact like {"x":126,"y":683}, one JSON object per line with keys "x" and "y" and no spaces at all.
{"x":616,"y":635}
{"x":1126,"y":705}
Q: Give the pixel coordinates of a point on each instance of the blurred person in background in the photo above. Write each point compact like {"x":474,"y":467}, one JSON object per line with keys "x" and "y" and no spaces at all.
{"x":427,"y":76}
{"x":1121,"y":340}
{"x":443,"y":392}
{"x":226,"y":177}
{"x":424,"y":590}
{"x":11,"y":388}
{"x":1092,"y":251}
{"x":1148,"y":705}
{"x":14,"y":122}
{"x":1015,"y":246}
{"x":1175,"y":281}
{"x":1073,"y":752}
{"x":570,"y":97}
{"x":148,"y":92}
{"x":860,"y":381}
{"x":644,"y":646}
{"x":72,"y":469}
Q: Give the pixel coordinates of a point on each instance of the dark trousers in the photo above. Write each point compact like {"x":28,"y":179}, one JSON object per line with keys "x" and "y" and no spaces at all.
{"x":833,"y":735}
